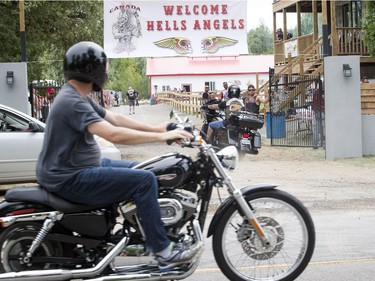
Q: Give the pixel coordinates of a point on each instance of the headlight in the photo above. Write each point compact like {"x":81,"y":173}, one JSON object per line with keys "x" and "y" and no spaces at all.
{"x":229,"y":157}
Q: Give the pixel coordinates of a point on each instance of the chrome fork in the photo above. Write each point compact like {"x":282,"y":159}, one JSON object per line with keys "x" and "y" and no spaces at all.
{"x":237,"y":195}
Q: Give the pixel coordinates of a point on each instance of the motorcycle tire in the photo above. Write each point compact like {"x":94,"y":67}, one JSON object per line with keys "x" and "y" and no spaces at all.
{"x":240,"y":253}
{"x":15,"y":241}
{"x":203,"y":132}
{"x":241,"y":154}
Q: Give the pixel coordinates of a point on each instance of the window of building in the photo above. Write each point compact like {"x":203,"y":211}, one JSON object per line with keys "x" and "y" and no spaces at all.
{"x":211,"y":85}
{"x":166,"y":88}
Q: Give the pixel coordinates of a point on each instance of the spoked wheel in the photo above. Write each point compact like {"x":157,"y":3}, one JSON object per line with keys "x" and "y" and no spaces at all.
{"x":14,"y":244}
{"x":242,"y":255}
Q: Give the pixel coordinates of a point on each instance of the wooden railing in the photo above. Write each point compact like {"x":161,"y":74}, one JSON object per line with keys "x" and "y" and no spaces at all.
{"x":305,"y":45}
{"x":350,"y":41}
{"x":188,"y":103}
{"x":368,"y":98}
{"x":311,"y":50}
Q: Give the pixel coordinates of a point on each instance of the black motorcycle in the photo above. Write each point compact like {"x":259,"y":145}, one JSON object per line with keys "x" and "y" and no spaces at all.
{"x":240,"y":130}
{"x":259,"y":232}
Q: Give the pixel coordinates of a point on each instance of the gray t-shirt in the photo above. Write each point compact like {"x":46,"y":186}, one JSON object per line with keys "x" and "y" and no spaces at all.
{"x":68,"y":147}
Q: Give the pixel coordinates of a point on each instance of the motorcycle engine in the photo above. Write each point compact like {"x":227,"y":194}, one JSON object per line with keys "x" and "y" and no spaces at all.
{"x":172,"y":210}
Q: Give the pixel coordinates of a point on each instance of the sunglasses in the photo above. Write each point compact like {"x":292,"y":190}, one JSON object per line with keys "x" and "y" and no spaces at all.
{"x":251,"y":89}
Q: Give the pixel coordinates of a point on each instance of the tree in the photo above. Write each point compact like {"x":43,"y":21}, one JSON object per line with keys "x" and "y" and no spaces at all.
{"x":369,"y":27}
{"x":128,"y":72}
{"x":9,"y":32}
{"x":51,"y":28}
{"x":260,"y":40}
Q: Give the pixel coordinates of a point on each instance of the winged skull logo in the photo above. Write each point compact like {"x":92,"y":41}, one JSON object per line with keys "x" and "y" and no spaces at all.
{"x":212,"y":44}
{"x":179,"y":44}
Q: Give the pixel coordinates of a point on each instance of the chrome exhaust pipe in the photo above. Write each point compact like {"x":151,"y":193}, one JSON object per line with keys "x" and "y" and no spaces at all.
{"x":60,"y":274}
{"x":172,"y":275}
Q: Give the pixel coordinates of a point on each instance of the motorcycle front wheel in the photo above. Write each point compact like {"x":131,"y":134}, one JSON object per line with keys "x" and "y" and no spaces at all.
{"x":242,"y":255}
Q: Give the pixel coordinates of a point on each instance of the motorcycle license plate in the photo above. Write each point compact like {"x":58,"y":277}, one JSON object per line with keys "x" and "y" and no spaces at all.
{"x":245,"y":142}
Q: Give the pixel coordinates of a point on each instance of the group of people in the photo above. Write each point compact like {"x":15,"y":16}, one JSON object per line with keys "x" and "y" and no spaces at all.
{"x":42,"y":103}
{"x":280,"y":35}
{"x":231,"y":98}
{"x":251,"y":100}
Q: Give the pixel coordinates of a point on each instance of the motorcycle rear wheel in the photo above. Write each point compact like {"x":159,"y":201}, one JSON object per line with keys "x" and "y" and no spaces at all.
{"x":14,"y":244}
{"x":240,"y":253}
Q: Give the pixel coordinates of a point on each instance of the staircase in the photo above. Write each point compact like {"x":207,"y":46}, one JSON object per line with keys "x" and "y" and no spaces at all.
{"x":309,"y":57}
{"x":315,"y":69}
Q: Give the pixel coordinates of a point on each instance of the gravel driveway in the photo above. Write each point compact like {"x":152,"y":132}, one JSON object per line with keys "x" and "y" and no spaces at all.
{"x":304,"y":172}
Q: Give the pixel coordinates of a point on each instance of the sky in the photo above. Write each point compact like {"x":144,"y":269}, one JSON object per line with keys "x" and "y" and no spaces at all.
{"x":262,"y":9}
{"x":257,"y":10}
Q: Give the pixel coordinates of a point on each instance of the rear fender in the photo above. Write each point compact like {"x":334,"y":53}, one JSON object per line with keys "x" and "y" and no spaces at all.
{"x":20,"y":208}
{"x":231,"y":201}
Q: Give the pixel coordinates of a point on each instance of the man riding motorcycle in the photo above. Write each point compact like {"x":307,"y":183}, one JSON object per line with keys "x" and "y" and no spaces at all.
{"x":69,"y":164}
{"x":234,"y":103}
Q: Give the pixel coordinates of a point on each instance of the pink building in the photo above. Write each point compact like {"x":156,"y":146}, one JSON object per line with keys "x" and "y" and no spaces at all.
{"x":194,"y":73}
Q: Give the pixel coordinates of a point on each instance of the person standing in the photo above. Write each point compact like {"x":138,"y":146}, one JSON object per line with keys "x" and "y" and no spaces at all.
{"x":224,"y":93}
{"x":318,"y":111}
{"x":70,"y":165}
{"x":132,"y":96}
{"x":205,"y":95}
{"x":252,"y":101}
{"x":117,"y":97}
{"x":279,"y":34}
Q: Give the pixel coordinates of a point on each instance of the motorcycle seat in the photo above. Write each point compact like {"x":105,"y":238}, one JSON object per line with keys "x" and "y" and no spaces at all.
{"x":37,"y":194}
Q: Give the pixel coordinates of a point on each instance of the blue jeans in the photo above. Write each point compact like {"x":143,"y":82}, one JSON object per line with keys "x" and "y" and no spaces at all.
{"x":114,"y":182}
{"x":216,"y":124}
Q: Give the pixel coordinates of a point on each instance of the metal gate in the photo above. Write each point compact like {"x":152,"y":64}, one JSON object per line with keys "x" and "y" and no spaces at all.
{"x":296,"y":116}
{"x":43,"y":93}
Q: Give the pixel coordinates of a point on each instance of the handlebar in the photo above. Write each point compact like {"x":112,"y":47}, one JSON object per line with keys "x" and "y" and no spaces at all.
{"x":183,"y":125}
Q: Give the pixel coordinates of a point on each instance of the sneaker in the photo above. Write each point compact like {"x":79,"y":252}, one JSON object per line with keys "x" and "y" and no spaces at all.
{"x":178,"y":256}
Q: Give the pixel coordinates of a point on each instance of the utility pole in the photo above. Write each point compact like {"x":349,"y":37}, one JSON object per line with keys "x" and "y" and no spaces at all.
{"x":22,"y":30}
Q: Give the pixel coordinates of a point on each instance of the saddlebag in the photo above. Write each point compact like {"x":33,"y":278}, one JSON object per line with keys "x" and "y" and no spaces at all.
{"x":246,"y":119}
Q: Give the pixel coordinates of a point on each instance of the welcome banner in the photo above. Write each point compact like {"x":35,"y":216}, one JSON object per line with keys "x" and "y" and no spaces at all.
{"x":154,"y":28}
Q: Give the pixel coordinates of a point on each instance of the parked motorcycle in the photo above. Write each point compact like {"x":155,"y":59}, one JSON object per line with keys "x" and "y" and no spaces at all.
{"x":240,"y":130}
{"x":258,"y":232}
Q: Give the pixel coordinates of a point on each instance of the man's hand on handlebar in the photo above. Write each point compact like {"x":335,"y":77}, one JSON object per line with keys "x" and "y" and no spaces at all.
{"x":177,"y":135}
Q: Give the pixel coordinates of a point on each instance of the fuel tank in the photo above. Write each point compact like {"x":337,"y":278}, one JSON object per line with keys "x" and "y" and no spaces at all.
{"x":172,"y":170}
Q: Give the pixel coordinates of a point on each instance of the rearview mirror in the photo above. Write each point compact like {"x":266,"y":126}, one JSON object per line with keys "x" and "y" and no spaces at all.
{"x":33,"y":127}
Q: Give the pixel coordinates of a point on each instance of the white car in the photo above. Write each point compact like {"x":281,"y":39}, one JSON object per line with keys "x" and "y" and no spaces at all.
{"x":21,"y":138}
